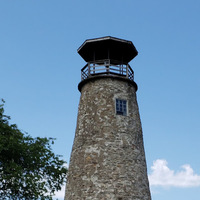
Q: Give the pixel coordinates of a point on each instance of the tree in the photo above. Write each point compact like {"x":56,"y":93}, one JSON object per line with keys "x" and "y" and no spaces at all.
{"x":29,"y":170}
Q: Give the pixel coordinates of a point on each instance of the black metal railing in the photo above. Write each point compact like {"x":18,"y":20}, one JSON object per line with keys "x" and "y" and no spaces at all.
{"x":106,"y":67}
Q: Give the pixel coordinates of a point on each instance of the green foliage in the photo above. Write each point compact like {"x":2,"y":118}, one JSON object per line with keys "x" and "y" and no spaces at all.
{"x":28,"y":167}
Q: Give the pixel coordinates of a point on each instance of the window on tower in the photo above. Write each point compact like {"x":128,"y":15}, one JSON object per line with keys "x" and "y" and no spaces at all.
{"x":121,"y":107}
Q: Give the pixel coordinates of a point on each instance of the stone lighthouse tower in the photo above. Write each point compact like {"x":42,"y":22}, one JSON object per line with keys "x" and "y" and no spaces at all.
{"x":108,"y":159}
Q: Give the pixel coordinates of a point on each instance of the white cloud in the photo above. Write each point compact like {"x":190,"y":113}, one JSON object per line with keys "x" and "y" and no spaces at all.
{"x":161,"y":175}
{"x":60,"y":194}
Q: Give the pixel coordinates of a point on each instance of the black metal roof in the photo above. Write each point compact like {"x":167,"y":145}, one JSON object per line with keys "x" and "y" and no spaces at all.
{"x":107,"y":48}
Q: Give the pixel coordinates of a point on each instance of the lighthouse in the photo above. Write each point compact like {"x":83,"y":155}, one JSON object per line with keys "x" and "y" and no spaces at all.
{"x":108,"y":158}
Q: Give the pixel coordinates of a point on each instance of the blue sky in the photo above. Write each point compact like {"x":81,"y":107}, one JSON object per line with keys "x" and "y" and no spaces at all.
{"x":40,"y":71}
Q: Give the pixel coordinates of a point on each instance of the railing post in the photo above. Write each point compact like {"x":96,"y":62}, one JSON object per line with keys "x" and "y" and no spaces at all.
{"x":127,"y":70}
{"x":107,"y":65}
{"x":93,"y":68}
{"x":88,"y":69}
{"x":81,"y":74}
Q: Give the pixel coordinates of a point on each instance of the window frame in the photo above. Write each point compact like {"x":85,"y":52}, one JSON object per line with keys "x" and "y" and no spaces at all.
{"x":123,"y":111}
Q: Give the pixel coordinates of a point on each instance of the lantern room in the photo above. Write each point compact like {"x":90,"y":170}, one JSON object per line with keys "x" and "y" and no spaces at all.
{"x":107,"y":56}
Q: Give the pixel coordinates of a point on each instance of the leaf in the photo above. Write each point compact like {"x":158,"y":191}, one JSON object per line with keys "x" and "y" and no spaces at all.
{"x":29,"y":169}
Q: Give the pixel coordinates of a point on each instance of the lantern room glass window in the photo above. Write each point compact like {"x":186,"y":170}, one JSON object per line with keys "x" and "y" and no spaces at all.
{"x":121,"y":107}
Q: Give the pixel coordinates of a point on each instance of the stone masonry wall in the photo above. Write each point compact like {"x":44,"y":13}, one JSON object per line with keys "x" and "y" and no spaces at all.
{"x":107,"y":160}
